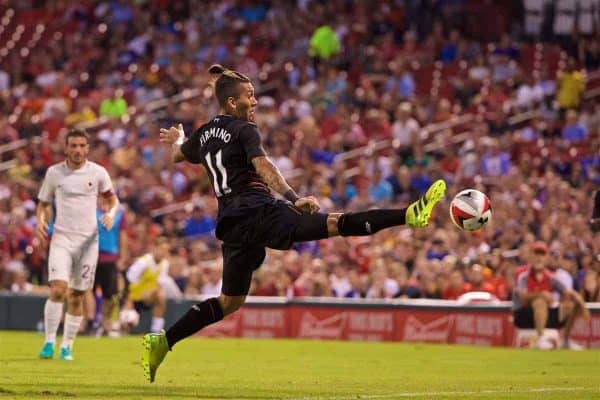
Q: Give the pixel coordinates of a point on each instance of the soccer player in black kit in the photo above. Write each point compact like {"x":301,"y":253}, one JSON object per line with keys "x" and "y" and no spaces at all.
{"x":250,"y":219}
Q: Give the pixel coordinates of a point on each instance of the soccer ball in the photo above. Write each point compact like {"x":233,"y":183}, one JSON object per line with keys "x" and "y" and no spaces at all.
{"x":470,"y":210}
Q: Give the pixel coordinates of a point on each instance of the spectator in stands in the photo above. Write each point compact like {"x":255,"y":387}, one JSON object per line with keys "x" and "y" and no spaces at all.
{"x":199,"y":224}
{"x":20,"y":284}
{"x":405,"y":128}
{"x":456,"y":286}
{"x":401,"y":84}
{"x":478,"y":282}
{"x":495,"y":162}
{"x":115,"y":106}
{"x":103,"y":52}
{"x":324,"y":43}
{"x":570,"y":86}
{"x":533,"y":304}
{"x":211,"y":278}
{"x":574,"y":131}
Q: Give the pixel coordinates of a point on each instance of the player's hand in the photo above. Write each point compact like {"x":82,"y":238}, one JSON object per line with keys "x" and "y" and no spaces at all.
{"x":171,"y":135}
{"x":107,"y":221}
{"x":41,"y":231}
{"x":309,"y":204}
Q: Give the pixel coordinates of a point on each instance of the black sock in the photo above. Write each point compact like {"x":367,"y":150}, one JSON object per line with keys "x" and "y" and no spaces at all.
{"x":369,"y":222}
{"x":198,"y":316}
{"x":596,"y":212}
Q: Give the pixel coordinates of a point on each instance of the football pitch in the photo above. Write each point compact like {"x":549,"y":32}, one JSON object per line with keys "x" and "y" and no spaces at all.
{"x":201,"y":368}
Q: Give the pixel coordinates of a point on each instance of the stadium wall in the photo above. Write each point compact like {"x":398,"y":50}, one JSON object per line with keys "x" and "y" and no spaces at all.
{"x":431,"y":321}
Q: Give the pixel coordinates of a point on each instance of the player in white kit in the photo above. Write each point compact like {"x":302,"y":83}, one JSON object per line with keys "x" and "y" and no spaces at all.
{"x":74,"y":185}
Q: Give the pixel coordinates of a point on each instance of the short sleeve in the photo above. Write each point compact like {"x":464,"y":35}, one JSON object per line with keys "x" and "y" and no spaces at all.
{"x":46,"y":193}
{"x":104,"y":182}
{"x":251,"y":142}
{"x":189,"y":148}
{"x":522,"y":282}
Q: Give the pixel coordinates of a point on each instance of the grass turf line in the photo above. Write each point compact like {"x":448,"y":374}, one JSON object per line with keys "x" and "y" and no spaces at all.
{"x":107,"y":368}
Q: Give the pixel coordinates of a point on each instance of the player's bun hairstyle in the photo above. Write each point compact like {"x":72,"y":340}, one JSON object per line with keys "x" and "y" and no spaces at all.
{"x":227,"y":84}
{"x":77,"y":133}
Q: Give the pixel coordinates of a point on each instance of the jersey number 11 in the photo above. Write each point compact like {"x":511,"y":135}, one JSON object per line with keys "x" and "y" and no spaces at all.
{"x":220,"y":189}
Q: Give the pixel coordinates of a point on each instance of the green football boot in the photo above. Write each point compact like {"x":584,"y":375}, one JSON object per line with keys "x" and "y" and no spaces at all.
{"x":155,"y":350}
{"x":419,"y":212}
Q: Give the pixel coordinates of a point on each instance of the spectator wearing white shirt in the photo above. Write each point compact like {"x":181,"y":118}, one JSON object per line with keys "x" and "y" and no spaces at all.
{"x":529,"y":93}
{"x":4,"y":80}
{"x":283,"y":162}
{"x":405,"y":129}
{"x":212,"y":280}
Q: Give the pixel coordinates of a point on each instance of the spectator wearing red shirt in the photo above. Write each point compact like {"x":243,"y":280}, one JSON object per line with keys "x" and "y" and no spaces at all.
{"x":533,"y":304}
{"x":456,"y":287}
{"x":478,"y":282}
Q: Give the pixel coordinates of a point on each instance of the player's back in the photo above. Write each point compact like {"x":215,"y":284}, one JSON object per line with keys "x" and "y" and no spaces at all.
{"x":225,"y":146}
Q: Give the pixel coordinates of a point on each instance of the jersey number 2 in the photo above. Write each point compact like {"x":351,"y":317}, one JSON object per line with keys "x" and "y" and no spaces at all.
{"x":220,"y":189}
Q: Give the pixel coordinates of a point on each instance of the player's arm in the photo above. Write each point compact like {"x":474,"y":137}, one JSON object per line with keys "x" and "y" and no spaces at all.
{"x":275,"y":180}
{"x":105,"y":188}
{"x":174,"y":136}
{"x":250,"y":140}
{"x":43,"y":215}
{"x":44,"y":208}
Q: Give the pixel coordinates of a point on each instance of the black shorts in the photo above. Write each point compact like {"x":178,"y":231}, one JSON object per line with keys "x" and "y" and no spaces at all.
{"x":523,"y":318}
{"x":106,"y":279}
{"x":276,"y":225}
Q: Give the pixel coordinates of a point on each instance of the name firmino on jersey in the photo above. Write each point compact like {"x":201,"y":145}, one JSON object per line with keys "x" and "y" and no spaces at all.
{"x":218,"y":133}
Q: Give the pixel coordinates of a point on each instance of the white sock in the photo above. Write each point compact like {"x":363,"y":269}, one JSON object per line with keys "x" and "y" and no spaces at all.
{"x":72,"y":324}
{"x":157,"y":324}
{"x":52,"y":315}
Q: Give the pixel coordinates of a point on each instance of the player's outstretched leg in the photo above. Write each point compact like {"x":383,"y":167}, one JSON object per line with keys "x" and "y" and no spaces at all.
{"x":419,"y":212}
{"x":155,"y":350}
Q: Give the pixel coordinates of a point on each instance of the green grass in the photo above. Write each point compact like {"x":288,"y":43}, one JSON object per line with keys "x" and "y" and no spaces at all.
{"x":295,"y":369}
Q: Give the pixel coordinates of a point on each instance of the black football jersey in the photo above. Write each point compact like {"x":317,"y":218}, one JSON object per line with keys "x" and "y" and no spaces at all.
{"x":226,"y":146}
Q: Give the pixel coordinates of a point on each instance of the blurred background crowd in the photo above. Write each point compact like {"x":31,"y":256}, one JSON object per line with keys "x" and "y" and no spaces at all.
{"x":361,"y":103}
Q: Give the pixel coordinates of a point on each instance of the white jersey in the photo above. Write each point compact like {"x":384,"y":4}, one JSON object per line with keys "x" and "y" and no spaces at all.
{"x":76,"y":194}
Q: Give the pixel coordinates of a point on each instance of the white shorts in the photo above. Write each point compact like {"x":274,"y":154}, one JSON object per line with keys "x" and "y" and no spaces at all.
{"x":73,"y":259}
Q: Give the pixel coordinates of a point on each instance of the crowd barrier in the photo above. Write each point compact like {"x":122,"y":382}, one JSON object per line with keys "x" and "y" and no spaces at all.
{"x":430,"y":321}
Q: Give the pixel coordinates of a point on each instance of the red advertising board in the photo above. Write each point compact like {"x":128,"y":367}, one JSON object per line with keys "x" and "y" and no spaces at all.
{"x":488,"y":326}
{"x":483,"y":328}
{"x":430,"y":326}
{"x":317,"y":322}
{"x":256,"y":322}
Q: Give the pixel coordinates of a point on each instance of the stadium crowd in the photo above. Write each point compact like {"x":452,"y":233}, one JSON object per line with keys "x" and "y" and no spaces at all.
{"x":360,"y":104}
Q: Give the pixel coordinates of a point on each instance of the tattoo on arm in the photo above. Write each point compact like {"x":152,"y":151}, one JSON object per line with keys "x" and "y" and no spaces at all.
{"x":272,"y":177}
{"x":176,"y":153}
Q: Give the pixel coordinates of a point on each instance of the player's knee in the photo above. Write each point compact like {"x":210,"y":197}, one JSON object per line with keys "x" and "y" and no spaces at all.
{"x":75,"y":297}
{"x":332,"y":224}
{"x":58,"y":291}
{"x":231,"y":304}
{"x":160,"y":296}
{"x":539,"y":303}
